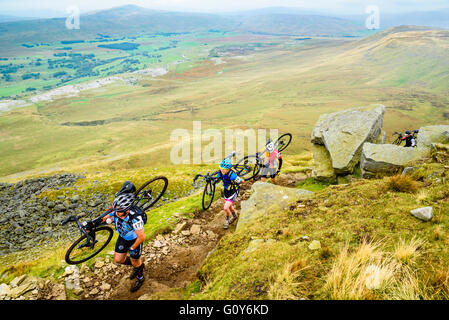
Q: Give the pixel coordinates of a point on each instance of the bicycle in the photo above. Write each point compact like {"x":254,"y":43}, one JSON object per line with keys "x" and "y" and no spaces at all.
{"x":209,"y":181}
{"x":96,"y":235}
{"x":93,"y":232}
{"x":258,"y":161}
{"x":146,"y":196}
{"x":400,"y":137}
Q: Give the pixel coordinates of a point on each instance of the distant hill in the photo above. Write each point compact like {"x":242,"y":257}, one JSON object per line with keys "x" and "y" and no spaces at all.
{"x":8,"y":18}
{"x":438,"y":19}
{"x":294,"y":24}
{"x":131,"y":19}
{"x":401,"y":56}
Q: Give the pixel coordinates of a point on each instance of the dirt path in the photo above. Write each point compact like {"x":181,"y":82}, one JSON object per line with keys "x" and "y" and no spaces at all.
{"x":171,"y":260}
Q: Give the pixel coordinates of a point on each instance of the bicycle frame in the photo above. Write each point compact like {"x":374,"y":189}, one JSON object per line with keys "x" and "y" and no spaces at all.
{"x":83,"y":227}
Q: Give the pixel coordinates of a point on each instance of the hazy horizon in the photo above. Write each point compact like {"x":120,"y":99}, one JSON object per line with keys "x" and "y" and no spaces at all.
{"x":53,"y":8}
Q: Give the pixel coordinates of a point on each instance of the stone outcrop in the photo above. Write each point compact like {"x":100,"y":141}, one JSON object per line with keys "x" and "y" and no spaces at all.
{"x":343,"y":134}
{"x":28,"y":218}
{"x":385,"y":159}
{"x":344,"y":139}
{"x":431,"y":135}
{"x":323,"y":169}
{"x":268,"y":199}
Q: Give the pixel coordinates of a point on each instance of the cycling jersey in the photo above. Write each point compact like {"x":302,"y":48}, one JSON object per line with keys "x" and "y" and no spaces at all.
{"x":272,"y":158}
{"x":128,"y":226}
{"x":230,"y":180}
{"x":409,"y":140}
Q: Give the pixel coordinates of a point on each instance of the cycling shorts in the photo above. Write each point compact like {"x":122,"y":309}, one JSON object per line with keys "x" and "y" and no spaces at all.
{"x":123,"y":246}
{"x":231,"y":195}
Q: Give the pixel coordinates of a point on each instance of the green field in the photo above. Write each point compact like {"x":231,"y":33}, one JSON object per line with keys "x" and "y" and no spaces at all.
{"x":32,"y":67}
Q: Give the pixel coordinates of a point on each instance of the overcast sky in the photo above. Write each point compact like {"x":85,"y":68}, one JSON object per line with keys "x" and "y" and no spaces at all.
{"x":41,"y":7}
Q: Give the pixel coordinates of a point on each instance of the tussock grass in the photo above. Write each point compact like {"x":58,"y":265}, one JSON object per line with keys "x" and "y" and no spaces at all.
{"x":400,"y":183}
{"x":288,"y":284}
{"x":421,"y":196}
{"x":370,"y":272}
{"x":407,"y":252}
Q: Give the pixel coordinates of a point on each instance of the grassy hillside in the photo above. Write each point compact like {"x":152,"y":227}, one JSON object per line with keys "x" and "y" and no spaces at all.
{"x":284,"y":86}
{"x":371,"y":247}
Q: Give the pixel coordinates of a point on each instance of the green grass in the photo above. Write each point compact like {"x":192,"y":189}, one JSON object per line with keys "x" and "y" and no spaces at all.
{"x":312,"y":185}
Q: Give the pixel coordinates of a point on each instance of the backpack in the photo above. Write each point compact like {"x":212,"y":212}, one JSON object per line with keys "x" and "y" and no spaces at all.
{"x":137,"y":212}
{"x":232,"y":185}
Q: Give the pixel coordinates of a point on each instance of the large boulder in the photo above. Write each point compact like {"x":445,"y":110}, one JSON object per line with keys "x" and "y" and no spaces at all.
{"x":344,"y":133}
{"x":431,"y":135}
{"x":268,"y":199}
{"x":323,"y":169}
{"x":385,"y":159}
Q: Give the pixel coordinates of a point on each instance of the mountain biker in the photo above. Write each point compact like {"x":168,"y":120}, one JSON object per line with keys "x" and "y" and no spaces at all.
{"x":231,"y":185}
{"x":272,"y":164}
{"x":409,"y":140}
{"x":129,"y":220}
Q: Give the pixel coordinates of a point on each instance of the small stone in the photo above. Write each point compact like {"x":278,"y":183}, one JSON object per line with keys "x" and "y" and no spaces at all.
{"x":424,"y":214}
{"x":4,"y":289}
{"x":315,"y":245}
{"x":195,"y":229}
{"x":94,"y":291}
{"x":180,"y":227}
{"x":105,"y":287}
{"x":211,"y":234}
{"x":17,"y":281}
{"x":407,"y":170}
{"x":157,"y":244}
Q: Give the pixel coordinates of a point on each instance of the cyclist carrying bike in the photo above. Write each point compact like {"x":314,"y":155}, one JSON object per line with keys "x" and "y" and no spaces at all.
{"x":409,"y":140}
{"x":231,"y":185}
{"x":272,"y":163}
{"x":129,"y":220}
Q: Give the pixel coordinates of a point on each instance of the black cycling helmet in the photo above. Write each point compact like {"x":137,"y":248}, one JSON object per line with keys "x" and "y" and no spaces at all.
{"x":408,"y":132}
{"x":123,"y":202}
{"x":127,"y":187}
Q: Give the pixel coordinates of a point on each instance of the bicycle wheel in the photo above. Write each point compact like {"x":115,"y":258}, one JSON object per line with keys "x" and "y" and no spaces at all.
{"x":150,"y":192}
{"x":208,"y":195}
{"x":283,"y":141}
{"x":80,"y":252}
{"x":248,"y":167}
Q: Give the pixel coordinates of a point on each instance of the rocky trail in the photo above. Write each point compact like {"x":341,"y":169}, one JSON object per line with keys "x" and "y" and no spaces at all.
{"x":171,"y":260}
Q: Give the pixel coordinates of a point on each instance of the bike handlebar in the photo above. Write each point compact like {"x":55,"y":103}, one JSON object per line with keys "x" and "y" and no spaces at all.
{"x":231,"y":155}
{"x":69,"y":219}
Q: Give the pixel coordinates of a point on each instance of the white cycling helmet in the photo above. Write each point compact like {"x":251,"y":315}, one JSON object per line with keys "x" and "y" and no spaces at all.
{"x":123,"y":202}
{"x":270,"y":146}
